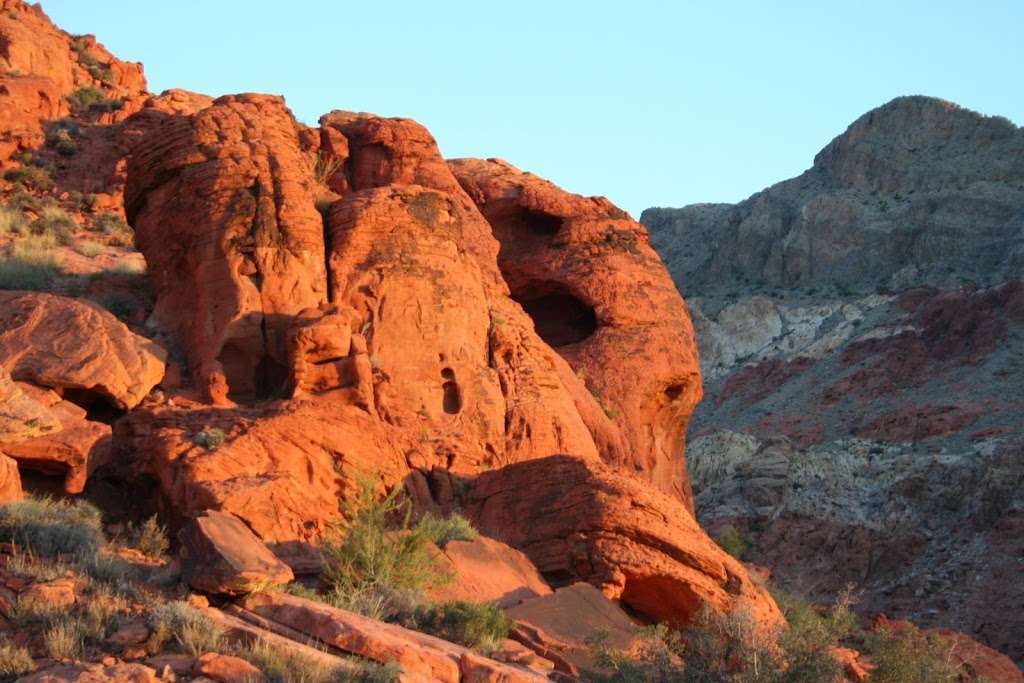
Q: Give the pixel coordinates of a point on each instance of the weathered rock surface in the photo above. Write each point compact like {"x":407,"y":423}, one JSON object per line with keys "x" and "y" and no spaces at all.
{"x":93,"y":673}
{"x":21,"y":416}
{"x":486,"y":570}
{"x":567,"y":619}
{"x":918,"y":191}
{"x":430,"y":350}
{"x":600,"y":296}
{"x":221,"y":555}
{"x":76,"y":348}
{"x":419,"y":655}
{"x":862,"y":408}
{"x":221,"y":206}
{"x":42,"y":66}
{"x":578,"y":520}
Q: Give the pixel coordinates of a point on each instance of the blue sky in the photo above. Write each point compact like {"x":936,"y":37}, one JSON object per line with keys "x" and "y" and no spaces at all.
{"x":649,"y":103}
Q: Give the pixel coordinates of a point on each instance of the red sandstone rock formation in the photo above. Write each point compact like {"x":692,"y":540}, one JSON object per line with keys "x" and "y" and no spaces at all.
{"x":76,"y":348}
{"x":582,"y":520}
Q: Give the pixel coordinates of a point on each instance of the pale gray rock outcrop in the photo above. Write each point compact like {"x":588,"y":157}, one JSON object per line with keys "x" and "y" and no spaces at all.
{"x":917,"y":191}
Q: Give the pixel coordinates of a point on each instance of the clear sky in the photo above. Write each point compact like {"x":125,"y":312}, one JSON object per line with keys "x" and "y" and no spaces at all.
{"x":649,"y":103}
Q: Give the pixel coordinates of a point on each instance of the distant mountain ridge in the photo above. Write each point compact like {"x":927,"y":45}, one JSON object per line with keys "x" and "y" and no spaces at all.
{"x":917,"y":191}
{"x":861,"y":339}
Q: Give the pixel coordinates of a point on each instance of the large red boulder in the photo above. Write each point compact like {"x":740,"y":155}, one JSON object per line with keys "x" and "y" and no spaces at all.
{"x":580,"y":520}
{"x":222,"y":206}
{"x":76,"y":348}
{"x":599,"y":296}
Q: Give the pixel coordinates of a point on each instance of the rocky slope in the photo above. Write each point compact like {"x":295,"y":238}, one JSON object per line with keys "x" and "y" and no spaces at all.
{"x":321,"y":306}
{"x":861,"y":335}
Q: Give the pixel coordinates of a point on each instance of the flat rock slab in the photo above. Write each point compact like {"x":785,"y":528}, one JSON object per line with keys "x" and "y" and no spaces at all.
{"x":486,"y":570}
{"x":222,"y":555}
{"x":565,"y":619}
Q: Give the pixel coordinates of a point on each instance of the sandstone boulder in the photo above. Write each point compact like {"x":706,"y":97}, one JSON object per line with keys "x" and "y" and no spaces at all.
{"x":10,"y":480}
{"x":222,"y":555}
{"x":74,"y":451}
{"x":76,"y":348}
{"x":230,"y":189}
{"x":565,"y":620}
{"x":94,"y":673}
{"x":600,"y":297}
{"x":578,"y":520}
{"x":227,"y":669}
{"x":486,"y":570}
{"x":418,"y":654}
{"x":21,"y":416}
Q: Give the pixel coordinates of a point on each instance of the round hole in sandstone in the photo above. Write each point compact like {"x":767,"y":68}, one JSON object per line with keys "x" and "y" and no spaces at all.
{"x":673,"y":392}
{"x":452,"y":401}
{"x":560,"y":317}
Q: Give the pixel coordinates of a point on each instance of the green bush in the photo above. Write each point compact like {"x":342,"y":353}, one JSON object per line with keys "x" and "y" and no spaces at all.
{"x":441,"y":530}
{"x":65,"y":639}
{"x":478,"y":625}
{"x":210,"y":439}
{"x":120,"y":232}
{"x":12,"y":221}
{"x":733,"y":542}
{"x":285,"y":666}
{"x":89,"y":249}
{"x":48,"y":528}
{"x":31,"y":177}
{"x":810,"y":637}
{"x":57,"y":224}
{"x":909,"y":656}
{"x":196,"y":633}
{"x":91,"y":101}
{"x":380,"y":549}
{"x":61,"y":137}
{"x":151,"y":538}
{"x":29,"y":271}
{"x":15,"y":661}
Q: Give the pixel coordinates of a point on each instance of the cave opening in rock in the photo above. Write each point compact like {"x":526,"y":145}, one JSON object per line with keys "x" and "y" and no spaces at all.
{"x":560,"y":317}
{"x":452,"y":401}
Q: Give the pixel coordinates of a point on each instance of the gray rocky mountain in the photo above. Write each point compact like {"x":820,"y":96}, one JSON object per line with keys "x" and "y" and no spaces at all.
{"x":861,"y":332}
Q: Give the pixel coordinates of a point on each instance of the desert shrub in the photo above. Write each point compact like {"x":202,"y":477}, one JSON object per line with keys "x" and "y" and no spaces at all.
{"x":194,"y":632}
{"x":909,"y":656}
{"x":658,"y":658}
{"x":99,"y":70}
{"x":380,"y":548}
{"x":61,"y":135}
{"x":732,"y":541}
{"x":810,"y":637}
{"x":31,"y":177}
{"x":210,"y":439}
{"x":65,"y":639}
{"x":56,"y":223}
{"x":48,"y":528}
{"x":326,"y":166}
{"x":34,"y":612}
{"x":120,"y":232}
{"x":89,"y":249}
{"x":12,"y":221}
{"x":441,"y":530}
{"x":285,"y":666}
{"x":120,"y":304}
{"x":27,"y":565}
{"x":88,"y":100}
{"x":28,"y":267}
{"x":23,"y":200}
{"x":108,"y":569}
{"x":15,"y":661}
{"x":478,"y":625}
{"x":151,"y":538}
